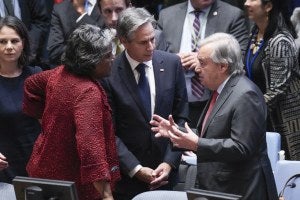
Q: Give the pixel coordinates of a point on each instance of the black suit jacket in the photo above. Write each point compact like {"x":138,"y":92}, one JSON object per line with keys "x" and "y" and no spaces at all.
{"x":63,"y":23}
{"x":232,"y":155}
{"x":136,"y":142}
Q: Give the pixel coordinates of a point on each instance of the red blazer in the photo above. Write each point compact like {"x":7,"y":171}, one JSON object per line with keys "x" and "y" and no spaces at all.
{"x":77,"y":142}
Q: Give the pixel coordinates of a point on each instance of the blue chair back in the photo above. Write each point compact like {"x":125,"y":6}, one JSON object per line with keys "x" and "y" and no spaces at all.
{"x":287,"y":185}
{"x":274,"y":146}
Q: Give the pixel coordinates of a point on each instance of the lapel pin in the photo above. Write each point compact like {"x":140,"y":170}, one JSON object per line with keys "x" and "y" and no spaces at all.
{"x":215,"y":13}
{"x":162,"y":70}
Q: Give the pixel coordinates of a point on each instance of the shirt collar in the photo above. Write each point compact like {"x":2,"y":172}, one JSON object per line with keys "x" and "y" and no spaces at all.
{"x":221,"y":87}
{"x":133,"y":63}
{"x":191,"y":9}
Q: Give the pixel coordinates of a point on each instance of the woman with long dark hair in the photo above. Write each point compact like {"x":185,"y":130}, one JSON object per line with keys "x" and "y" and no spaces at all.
{"x":17,"y":130}
{"x":271,"y":62}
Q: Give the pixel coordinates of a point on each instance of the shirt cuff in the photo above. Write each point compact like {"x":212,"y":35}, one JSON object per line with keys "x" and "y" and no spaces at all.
{"x":135,"y":170}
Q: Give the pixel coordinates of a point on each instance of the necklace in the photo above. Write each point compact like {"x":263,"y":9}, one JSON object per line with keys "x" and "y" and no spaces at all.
{"x":253,"y":52}
{"x":256,"y":44}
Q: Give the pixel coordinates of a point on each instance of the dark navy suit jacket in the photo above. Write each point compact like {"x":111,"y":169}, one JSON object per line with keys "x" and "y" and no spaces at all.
{"x":136,"y":143}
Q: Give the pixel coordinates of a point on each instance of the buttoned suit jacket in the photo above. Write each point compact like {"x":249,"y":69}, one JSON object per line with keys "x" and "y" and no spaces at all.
{"x":222,"y":17}
{"x":232,"y":155}
{"x":136,"y":142}
{"x":63,"y":23}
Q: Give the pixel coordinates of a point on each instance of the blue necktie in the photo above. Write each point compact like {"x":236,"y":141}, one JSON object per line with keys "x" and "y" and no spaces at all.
{"x":144,"y":89}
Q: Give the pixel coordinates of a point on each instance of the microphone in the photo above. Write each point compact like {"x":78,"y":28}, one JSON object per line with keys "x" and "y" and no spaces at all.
{"x":287,"y":184}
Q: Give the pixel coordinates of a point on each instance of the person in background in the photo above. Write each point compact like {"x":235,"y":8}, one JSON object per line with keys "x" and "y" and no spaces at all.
{"x":77,"y":142}
{"x":230,"y":138}
{"x":272,"y":64}
{"x":66,"y":17}
{"x":144,"y":81}
{"x":17,"y":130}
{"x":110,"y":11}
{"x":194,"y":20}
{"x":295,"y":19}
{"x":34,"y":14}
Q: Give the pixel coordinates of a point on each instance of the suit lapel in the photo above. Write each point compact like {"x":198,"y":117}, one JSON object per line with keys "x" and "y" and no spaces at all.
{"x":212,"y":19}
{"x":222,"y":98}
{"x":97,"y":15}
{"x":159,"y":74}
{"x":127,"y":77}
{"x":179,"y":18}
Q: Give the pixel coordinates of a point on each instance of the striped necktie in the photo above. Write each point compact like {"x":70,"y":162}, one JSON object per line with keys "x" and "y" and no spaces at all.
{"x":196,"y":35}
{"x":196,"y":86}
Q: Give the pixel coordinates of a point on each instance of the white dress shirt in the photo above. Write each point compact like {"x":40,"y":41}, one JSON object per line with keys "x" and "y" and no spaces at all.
{"x":150,"y":75}
{"x":186,"y":44}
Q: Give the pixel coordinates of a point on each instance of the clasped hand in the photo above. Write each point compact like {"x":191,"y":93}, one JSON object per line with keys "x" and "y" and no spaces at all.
{"x":155,"y":178}
{"x":3,"y":162}
{"x":169,"y":129}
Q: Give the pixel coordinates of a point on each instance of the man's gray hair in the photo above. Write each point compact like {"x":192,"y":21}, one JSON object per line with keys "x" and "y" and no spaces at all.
{"x":131,"y":19}
{"x":226,"y":50}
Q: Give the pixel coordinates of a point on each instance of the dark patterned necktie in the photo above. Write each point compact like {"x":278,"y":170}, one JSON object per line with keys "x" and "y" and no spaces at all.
{"x":144,"y":89}
{"x":197,"y":87}
{"x":9,"y":7}
{"x":196,"y":35}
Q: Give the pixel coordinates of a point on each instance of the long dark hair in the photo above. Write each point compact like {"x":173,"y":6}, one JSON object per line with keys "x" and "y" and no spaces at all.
{"x":279,"y":18}
{"x":20,"y":28}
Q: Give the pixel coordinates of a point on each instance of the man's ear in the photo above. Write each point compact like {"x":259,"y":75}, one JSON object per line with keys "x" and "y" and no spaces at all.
{"x":224,"y":67}
{"x":123,"y":40}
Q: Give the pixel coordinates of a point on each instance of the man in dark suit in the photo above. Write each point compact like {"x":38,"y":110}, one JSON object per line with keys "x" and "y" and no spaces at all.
{"x":110,"y":11}
{"x":177,"y":25}
{"x":66,"y":17}
{"x":230,"y":143}
{"x":146,"y":162}
{"x":35,"y":15}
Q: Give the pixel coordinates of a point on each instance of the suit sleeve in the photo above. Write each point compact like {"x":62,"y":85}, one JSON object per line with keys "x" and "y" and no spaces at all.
{"x":39,"y":23}
{"x":127,"y":160}
{"x":240,"y":29}
{"x":56,"y":41}
{"x":237,"y":132}
{"x":281,"y":64}
{"x":179,"y":113}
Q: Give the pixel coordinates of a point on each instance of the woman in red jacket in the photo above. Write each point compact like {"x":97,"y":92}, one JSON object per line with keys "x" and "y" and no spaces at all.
{"x":77,"y":142}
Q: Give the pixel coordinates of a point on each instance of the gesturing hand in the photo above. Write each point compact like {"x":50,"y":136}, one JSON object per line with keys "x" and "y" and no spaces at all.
{"x":162,"y":126}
